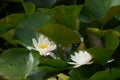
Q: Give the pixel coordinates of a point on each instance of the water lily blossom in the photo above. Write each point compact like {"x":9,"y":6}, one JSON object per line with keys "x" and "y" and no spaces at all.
{"x":81,"y":58}
{"x":43,"y":45}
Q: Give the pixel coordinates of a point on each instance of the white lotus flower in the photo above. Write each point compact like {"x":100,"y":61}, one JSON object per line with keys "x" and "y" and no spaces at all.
{"x":43,"y":45}
{"x":80,"y":58}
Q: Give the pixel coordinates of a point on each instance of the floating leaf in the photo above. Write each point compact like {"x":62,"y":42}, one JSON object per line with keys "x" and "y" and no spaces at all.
{"x":94,"y":38}
{"x":66,"y":15}
{"x":15,"y":0}
{"x":29,"y":7}
{"x":58,"y":64}
{"x":117,"y":29}
{"x":11,"y":21}
{"x":8,"y":36}
{"x":17,"y":63}
{"x":43,"y":72}
{"x":115,"y":10}
{"x":28,"y":27}
{"x":100,"y":55}
{"x":110,"y":38}
{"x":106,"y":75}
{"x":43,"y":3}
{"x":94,"y":10}
{"x":48,"y":68}
{"x":60,"y":34}
{"x":63,"y":76}
{"x":83,"y":72}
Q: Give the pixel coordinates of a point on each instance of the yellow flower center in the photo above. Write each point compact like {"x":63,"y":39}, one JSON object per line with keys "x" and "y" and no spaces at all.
{"x":43,"y":46}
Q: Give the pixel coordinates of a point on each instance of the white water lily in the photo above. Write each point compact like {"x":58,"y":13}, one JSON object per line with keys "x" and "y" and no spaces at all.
{"x":81,"y":58}
{"x":43,"y":45}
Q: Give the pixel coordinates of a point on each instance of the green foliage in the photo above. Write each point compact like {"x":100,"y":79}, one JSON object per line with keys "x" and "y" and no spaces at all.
{"x":48,"y":68}
{"x":15,"y":0}
{"x":108,"y":74}
{"x":110,"y":38}
{"x":93,"y":26}
{"x":66,"y":15}
{"x":52,"y":63}
{"x":17,"y":63}
{"x":100,"y":11}
{"x":100,"y":55}
{"x":34,"y":21}
{"x":60,"y":34}
{"x":11,"y":21}
{"x":43,"y":3}
{"x":29,"y":7}
{"x":43,"y":72}
{"x":84,"y":72}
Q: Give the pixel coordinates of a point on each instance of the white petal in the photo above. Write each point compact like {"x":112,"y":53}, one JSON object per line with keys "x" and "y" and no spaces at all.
{"x":90,"y":62}
{"x":76,"y":53}
{"x":47,"y":53}
{"x":43,"y":40}
{"x":52,"y":47}
{"x":35,"y":43}
{"x":30,"y":48}
{"x":81,"y":52}
{"x":52,"y":55}
{"x":111,"y":60}
{"x":71,"y":63}
{"x":74,"y":59}
{"x":81,"y":58}
{"x":82,"y":39}
{"x":41,"y":53}
{"x":76,"y":66}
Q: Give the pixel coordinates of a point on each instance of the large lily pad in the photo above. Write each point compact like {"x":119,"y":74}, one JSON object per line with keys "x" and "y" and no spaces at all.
{"x":17,"y":63}
{"x":100,"y":11}
{"x":60,"y":34}
{"x":108,"y":74}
